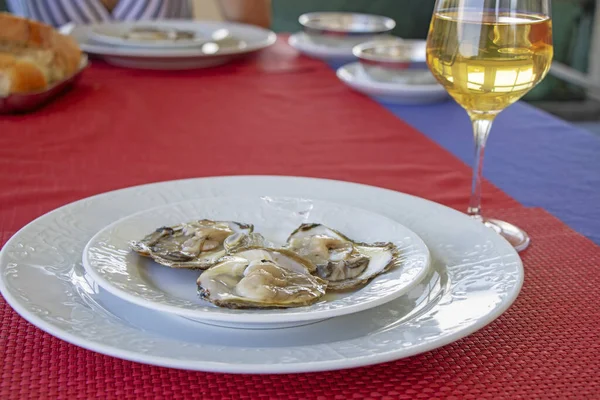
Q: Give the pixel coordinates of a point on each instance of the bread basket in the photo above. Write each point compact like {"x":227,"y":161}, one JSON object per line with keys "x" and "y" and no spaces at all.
{"x":27,"y":102}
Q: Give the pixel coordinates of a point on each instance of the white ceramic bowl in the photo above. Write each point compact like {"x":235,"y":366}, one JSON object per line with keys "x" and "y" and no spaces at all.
{"x":387,"y":60}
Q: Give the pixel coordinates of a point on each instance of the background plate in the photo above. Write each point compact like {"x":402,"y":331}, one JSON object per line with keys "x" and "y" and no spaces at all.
{"x":254,"y":39}
{"x":355,"y":77}
{"x":338,"y":54}
{"x":113,"y":33}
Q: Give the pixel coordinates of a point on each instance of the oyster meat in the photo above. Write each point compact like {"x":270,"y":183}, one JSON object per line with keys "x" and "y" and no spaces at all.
{"x":261,"y":278}
{"x":196,"y":244}
{"x":343,"y":263}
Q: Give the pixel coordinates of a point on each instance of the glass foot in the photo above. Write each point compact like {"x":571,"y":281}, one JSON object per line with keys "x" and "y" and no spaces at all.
{"x":517,"y":237}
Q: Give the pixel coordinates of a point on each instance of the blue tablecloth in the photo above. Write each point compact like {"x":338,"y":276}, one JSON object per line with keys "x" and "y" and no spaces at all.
{"x":536,"y":158}
{"x":533,"y":156}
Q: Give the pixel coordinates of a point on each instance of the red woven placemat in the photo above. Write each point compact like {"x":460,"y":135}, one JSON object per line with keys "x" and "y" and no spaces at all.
{"x":547,"y":345}
{"x":281,"y":114}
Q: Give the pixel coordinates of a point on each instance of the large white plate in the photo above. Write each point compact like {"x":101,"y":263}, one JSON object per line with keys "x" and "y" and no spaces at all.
{"x":139,"y":280}
{"x":355,"y":77}
{"x":475,"y":277}
{"x":251,"y":39}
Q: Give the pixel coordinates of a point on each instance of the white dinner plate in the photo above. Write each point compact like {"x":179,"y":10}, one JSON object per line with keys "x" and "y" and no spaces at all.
{"x":420,"y":87}
{"x":243,"y":39}
{"x":475,"y":277}
{"x":124,"y":273}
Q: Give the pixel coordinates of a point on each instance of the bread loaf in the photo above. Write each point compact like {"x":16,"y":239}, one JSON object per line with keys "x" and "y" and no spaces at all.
{"x":33,"y":55}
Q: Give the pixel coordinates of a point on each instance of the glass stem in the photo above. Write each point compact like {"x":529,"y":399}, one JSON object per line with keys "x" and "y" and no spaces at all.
{"x":481,"y":130}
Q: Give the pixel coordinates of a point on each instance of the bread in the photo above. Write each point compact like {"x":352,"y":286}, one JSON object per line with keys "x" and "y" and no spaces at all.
{"x":33,"y":55}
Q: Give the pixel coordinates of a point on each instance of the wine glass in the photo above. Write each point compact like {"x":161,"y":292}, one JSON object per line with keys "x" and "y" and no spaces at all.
{"x":488,"y":54}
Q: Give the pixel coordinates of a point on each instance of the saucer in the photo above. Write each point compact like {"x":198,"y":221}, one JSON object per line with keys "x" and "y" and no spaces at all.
{"x":242,"y":39}
{"x":419,"y":87}
{"x":341,"y":53}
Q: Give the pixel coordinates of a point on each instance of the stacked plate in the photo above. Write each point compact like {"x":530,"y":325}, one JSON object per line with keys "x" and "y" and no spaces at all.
{"x":332,"y":35}
{"x":368,"y":58}
{"x":73,"y":274}
{"x":170,"y":44}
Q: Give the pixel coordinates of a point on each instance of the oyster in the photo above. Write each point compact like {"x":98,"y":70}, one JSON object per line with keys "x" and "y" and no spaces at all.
{"x":345,"y":264}
{"x":196,"y":244}
{"x":261,"y":278}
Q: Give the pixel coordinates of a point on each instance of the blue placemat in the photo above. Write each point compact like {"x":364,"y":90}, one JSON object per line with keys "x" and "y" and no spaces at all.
{"x":533,"y":156}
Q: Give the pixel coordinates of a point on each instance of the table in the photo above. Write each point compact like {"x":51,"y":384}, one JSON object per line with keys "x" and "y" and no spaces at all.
{"x":126,"y":127}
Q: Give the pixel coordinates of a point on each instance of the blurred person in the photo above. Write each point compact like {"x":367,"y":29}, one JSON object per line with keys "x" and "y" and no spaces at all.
{"x":60,"y":12}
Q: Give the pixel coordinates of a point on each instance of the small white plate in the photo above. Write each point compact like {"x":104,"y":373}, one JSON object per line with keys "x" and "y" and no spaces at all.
{"x":114,"y":33}
{"x":243,"y":39}
{"x":420,"y":88}
{"x":108,"y":259}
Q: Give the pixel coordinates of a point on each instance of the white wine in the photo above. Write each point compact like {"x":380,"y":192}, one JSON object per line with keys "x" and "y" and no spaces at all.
{"x":489,"y":60}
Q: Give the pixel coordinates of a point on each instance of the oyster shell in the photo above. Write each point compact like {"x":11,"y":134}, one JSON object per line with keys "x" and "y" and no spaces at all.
{"x":261,"y":278}
{"x":343,"y":263}
{"x":196,"y":244}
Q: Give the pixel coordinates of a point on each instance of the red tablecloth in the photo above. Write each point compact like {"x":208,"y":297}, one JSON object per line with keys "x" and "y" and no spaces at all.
{"x":279,"y":113}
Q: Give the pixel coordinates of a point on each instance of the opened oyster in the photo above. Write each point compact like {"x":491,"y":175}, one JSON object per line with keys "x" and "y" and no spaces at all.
{"x":261,"y":278}
{"x":196,"y":244}
{"x":343,"y":263}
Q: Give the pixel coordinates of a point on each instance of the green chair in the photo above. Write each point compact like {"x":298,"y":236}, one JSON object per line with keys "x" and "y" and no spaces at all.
{"x":412,"y":16}
{"x":572,"y":26}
